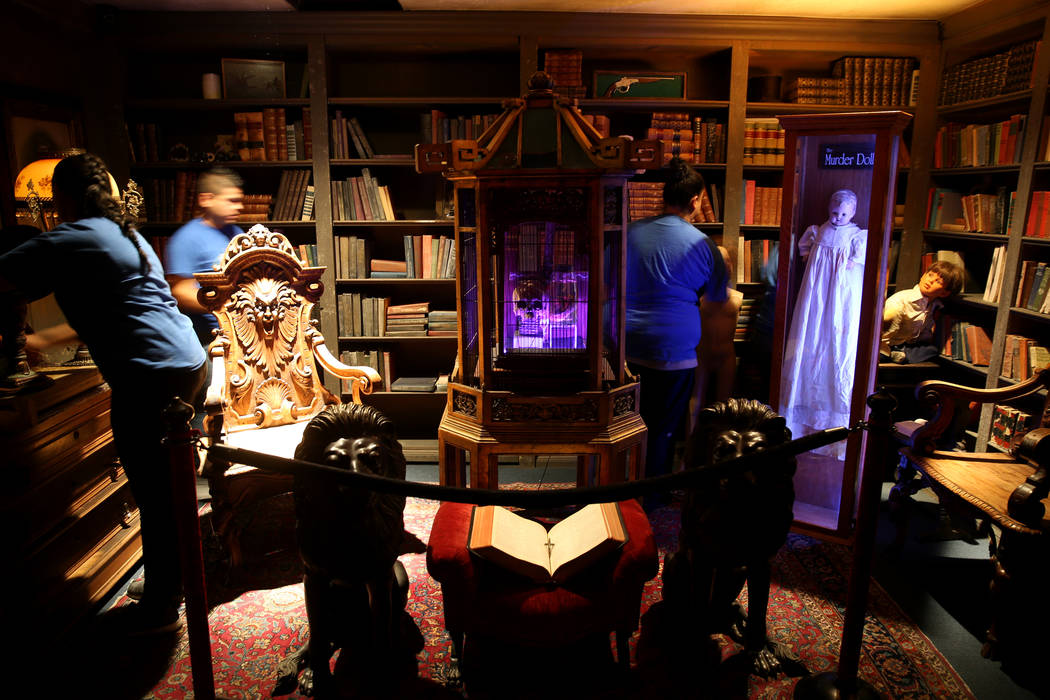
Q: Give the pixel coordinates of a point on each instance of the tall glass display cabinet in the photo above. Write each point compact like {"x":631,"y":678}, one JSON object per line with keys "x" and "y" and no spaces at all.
{"x":839,"y":192}
{"x":540,"y":252}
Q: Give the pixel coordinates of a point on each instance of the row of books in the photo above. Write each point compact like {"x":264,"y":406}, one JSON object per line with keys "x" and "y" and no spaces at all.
{"x":426,"y":257}
{"x":816,"y":90}
{"x":1032,"y":285}
{"x":438,"y":127}
{"x":962,"y":145}
{"x":948,"y":210}
{"x":268,"y":135}
{"x":645,"y":199}
{"x":761,"y":205}
{"x":1000,"y":73}
{"x":1022,"y":357}
{"x":752,"y":256}
{"x":308,"y":254}
{"x":382,"y":362}
{"x":875,"y":80}
{"x":744,"y":318}
{"x":1007,"y":423}
{"x":361,"y":198}
{"x":693,"y":139}
{"x":994,"y":284}
{"x":763,"y":141}
{"x":967,"y":342}
{"x":1043,"y":152}
{"x":348,"y":140}
{"x":565,"y":67}
{"x":1038,"y":224}
{"x":295,"y":197}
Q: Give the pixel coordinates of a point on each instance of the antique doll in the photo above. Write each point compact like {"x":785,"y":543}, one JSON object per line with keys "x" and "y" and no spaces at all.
{"x":821,"y":347}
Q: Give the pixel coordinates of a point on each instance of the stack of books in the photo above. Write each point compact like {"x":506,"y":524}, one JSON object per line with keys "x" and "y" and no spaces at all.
{"x":430,"y":257}
{"x":1038,"y":224}
{"x":752,"y":255}
{"x":693,"y":139}
{"x":438,"y":127}
{"x":361,"y":198}
{"x":268,"y":135}
{"x":816,"y":90}
{"x":442,"y":323}
{"x":360,"y":316}
{"x":1008,"y":422}
{"x":407,"y":319}
{"x":1001,"y":73}
{"x":565,"y":67}
{"x":967,"y":342}
{"x":743,"y":320}
{"x":294,"y":200}
{"x":256,"y":208}
{"x":964,"y":145}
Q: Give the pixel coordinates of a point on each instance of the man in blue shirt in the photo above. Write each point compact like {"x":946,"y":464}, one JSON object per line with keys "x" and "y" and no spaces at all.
{"x":670,"y":265}
{"x":197,"y":246}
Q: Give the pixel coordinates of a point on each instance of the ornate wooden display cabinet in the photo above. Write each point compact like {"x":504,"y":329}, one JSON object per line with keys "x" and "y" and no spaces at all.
{"x":68,"y":512}
{"x":540,"y":234}
{"x":826,"y":154}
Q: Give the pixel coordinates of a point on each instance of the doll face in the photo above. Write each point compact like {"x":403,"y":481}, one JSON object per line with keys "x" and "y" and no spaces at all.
{"x":841,"y":213}
{"x":932,"y":285}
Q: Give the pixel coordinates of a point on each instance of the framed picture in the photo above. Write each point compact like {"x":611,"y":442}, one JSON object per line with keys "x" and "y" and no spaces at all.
{"x":249,"y":78}
{"x":639,"y":85}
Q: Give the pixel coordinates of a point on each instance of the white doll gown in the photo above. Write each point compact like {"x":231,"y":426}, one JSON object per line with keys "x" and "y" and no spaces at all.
{"x":821,"y":348}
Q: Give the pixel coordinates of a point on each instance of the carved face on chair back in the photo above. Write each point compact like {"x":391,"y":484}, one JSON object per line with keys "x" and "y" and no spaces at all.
{"x":750,"y":510}
{"x":265,"y":314}
{"x":347,"y":531}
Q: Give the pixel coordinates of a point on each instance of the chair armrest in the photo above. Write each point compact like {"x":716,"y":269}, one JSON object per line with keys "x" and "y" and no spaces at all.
{"x":942,"y":396}
{"x":361,"y":378}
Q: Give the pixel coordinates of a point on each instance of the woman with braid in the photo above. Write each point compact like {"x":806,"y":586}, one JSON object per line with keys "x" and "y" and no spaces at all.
{"x":110,"y":286}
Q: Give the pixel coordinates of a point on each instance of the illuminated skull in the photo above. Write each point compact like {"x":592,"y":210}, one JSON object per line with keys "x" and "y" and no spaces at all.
{"x":528,"y":299}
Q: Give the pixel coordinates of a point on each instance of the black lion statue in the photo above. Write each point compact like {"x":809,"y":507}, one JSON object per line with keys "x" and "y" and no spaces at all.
{"x":349,"y":541}
{"x":731,"y":531}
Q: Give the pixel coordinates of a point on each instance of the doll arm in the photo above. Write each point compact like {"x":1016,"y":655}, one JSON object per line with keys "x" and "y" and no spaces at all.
{"x":858,"y":247}
{"x":805,"y":243}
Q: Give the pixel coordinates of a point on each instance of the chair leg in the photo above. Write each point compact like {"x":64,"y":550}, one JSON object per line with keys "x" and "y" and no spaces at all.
{"x":623,"y":649}
{"x":455,"y":671}
{"x":907,"y":482}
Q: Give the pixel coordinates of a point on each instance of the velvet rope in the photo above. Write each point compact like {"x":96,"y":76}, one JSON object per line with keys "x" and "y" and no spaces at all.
{"x":690,"y":478}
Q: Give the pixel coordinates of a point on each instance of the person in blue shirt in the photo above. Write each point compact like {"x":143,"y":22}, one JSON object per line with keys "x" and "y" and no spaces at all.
{"x":111,"y":288}
{"x":197,"y":245}
{"x":670,"y":266}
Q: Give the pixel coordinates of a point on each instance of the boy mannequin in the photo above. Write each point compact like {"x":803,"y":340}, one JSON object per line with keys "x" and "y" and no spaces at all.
{"x":908,"y":316}
{"x":198,"y":244}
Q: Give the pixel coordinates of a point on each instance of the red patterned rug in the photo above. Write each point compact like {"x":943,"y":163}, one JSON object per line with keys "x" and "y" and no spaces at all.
{"x":253,"y":630}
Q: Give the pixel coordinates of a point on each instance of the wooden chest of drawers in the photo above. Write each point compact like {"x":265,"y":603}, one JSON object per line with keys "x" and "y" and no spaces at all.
{"x":66,"y":509}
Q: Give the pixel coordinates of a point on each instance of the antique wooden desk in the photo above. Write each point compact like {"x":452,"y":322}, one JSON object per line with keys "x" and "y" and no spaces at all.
{"x":67,"y":510}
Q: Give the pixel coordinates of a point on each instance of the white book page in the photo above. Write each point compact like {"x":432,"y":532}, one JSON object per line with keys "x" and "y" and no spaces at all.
{"x":578,"y":533}
{"x":519,"y":537}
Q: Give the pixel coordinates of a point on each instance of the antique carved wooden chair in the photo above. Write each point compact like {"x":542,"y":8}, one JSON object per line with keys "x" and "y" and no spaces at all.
{"x":264,"y":387}
{"x":1007,"y":491}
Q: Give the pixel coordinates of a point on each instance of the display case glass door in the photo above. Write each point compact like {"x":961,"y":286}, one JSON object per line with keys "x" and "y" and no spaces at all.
{"x":834,"y":241}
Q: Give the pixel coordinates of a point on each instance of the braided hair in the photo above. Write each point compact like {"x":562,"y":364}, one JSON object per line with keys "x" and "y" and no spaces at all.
{"x":84,"y":181}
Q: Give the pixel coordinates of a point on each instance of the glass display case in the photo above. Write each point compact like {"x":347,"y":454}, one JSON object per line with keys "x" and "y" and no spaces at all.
{"x":839,"y":190}
{"x":540,"y":269}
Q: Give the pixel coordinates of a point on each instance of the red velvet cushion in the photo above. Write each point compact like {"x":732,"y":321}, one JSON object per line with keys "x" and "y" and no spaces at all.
{"x":483,"y":598}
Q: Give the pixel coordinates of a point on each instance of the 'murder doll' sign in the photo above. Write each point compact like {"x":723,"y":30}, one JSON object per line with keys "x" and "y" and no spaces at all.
{"x":846,"y":156}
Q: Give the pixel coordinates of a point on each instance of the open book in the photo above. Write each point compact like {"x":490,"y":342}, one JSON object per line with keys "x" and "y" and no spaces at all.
{"x":527,"y":547}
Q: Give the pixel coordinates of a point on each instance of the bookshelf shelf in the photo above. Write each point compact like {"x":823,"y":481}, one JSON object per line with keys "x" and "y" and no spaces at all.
{"x":212,"y":105}
{"x":796,"y":108}
{"x":187,"y":165}
{"x":1014,"y":98}
{"x":397,"y":281}
{"x":244,"y":224}
{"x":975,"y":369}
{"x":1028,"y":240}
{"x":402,"y":161}
{"x":397,"y":339}
{"x":967,"y":236}
{"x":622,"y":105}
{"x":427,"y":102}
{"x":750,"y":167}
{"x":977,"y":169}
{"x":436,"y":395}
{"x":1028,"y":313}
{"x":974,"y":300}
{"x":428,"y":223}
